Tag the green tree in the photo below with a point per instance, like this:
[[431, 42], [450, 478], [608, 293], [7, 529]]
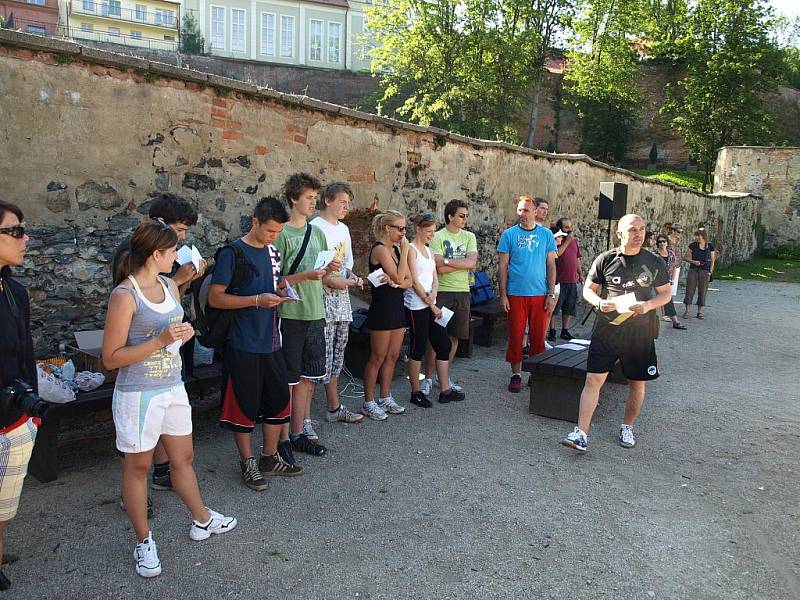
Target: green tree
[[603, 73], [731, 63], [665, 26], [192, 41]]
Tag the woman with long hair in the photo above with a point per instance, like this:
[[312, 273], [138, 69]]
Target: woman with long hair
[[701, 258], [386, 319], [665, 253], [143, 334], [422, 312]]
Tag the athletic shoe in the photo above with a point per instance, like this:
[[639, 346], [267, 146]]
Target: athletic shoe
[[146, 556], [450, 383], [667, 319], [5, 582], [301, 443], [626, 439], [391, 407], [273, 464], [425, 386], [251, 476], [150, 510], [164, 483], [286, 452], [576, 440], [515, 385], [551, 335], [373, 411], [451, 395], [566, 335], [308, 430], [421, 400], [215, 525], [343, 415]]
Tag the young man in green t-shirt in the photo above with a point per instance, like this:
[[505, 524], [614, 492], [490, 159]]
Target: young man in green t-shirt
[[456, 253], [303, 322]]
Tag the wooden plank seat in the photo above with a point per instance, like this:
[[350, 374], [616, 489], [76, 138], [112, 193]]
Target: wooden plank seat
[[557, 378], [490, 312], [44, 460]]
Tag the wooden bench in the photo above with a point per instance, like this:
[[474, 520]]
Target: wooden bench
[[44, 460], [490, 313], [465, 346], [557, 378]]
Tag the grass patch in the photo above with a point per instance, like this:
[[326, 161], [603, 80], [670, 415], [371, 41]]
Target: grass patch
[[762, 268], [690, 179]]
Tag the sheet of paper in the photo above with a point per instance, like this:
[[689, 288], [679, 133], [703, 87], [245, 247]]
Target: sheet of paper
[[174, 347], [324, 258], [580, 341], [571, 346], [184, 255], [375, 277], [196, 258], [675, 281], [447, 314], [291, 293], [560, 234], [623, 303]]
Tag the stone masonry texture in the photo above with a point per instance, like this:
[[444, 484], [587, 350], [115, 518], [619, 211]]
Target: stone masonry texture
[[86, 137]]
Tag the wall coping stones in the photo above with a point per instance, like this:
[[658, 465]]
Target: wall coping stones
[[761, 147], [92, 55]]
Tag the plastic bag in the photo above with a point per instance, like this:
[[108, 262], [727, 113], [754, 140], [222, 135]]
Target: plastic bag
[[88, 381], [68, 371], [52, 389]]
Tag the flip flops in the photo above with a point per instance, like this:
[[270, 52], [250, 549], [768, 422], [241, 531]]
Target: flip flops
[[678, 326]]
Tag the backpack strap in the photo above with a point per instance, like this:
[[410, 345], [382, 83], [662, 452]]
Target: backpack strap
[[301, 253]]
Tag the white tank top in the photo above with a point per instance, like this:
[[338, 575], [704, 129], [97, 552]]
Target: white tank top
[[426, 265]]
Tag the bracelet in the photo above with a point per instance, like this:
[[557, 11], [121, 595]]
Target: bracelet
[[256, 301]]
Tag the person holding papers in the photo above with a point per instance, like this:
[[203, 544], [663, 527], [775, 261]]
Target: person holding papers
[[424, 316], [386, 319], [626, 284]]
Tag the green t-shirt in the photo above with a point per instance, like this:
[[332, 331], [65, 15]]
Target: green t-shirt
[[454, 246], [310, 307]]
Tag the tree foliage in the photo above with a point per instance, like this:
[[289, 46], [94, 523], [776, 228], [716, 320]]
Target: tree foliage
[[192, 41], [731, 63]]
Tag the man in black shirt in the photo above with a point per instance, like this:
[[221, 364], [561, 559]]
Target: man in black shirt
[[626, 284]]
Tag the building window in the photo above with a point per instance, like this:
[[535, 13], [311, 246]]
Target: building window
[[267, 34], [113, 31], [237, 30], [88, 27], [287, 36], [38, 2], [334, 42], [88, 5], [112, 9], [165, 17], [141, 12], [136, 35], [217, 28], [169, 38], [37, 29], [315, 40]]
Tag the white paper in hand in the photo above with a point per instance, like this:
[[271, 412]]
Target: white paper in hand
[[675, 279], [196, 258], [375, 277], [623, 303], [291, 293], [324, 258], [184, 255], [447, 314], [174, 347]]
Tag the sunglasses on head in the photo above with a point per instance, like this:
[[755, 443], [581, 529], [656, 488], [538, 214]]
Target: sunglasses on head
[[15, 231], [161, 222]]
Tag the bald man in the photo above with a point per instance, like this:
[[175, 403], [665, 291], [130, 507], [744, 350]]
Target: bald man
[[627, 334]]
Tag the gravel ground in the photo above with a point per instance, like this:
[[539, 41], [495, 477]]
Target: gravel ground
[[479, 500]]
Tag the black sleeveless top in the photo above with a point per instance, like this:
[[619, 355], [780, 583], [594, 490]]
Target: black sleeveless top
[[386, 310]]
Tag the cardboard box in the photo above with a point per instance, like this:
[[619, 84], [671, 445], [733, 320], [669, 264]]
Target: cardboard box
[[87, 353]]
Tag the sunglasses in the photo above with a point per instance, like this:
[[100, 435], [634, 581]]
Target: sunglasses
[[161, 222], [398, 227], [662, 241], [15, 231]]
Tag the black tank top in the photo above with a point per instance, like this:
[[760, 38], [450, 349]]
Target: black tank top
[[386, 310]]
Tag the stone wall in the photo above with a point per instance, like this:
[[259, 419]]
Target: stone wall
[[87, 136], [773, 174]]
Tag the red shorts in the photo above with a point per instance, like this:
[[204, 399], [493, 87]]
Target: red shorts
[[526, 310]]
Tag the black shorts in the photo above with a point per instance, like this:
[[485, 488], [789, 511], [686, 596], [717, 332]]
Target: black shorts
[[303, 349], [567, 299], [633, 346], [255, 389]]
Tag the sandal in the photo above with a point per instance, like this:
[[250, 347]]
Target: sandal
[[699, 316], [678, 326], [686, 316]]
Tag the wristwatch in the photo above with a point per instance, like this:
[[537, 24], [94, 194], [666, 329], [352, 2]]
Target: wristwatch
[[446, 261], [551, 295]]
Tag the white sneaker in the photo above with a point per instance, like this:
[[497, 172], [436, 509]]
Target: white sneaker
[[308, 430], [216, 524], [426, 386], [452, 385], [667, 319], [373, 411], [389, 405], [146, 556], [626, 439], [343, 415]]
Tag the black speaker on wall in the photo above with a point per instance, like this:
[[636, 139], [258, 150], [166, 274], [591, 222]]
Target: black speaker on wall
[[613, 201]]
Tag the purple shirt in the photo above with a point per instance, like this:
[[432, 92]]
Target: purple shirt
[[567, 264]]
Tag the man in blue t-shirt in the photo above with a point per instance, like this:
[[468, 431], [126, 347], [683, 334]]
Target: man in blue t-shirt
[[255, 387], [526, 274]]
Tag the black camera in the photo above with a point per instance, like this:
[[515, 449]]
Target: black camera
[[21, 396]]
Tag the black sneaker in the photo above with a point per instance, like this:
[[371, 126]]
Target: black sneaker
[[551, 335], [286, 452], [252, 476], [451, 396], [273, 464], [4, 582], [420, 400], [163, 483], [566, 335], [301, 443]]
